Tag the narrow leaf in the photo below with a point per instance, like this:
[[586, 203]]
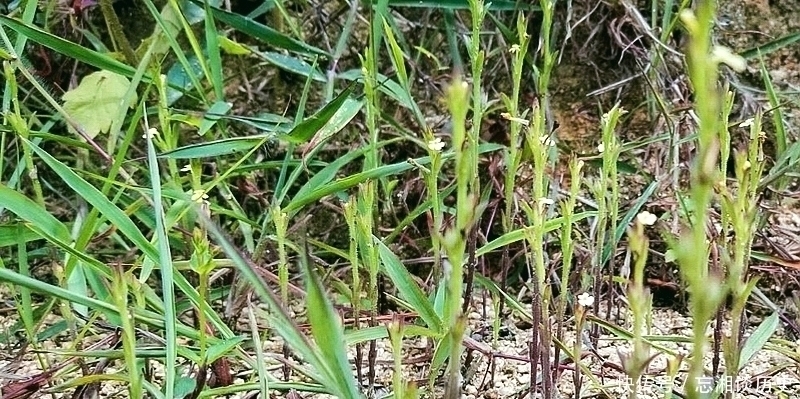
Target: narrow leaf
[[93, 196], [32, 213], [262, 32], [293, 65], [217, 147], [68, 48], [328, 332], [408, 287], [463, 5], [311, 125], [756, 341]]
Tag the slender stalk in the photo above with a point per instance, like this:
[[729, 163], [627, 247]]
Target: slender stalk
[[706, 289]]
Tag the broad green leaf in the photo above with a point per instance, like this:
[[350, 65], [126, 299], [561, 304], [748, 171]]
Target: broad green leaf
[[180, 80], [339, 120], [184, 386], [96, 100]]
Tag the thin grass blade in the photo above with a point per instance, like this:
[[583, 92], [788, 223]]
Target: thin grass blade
[[262, 32], [408, 287], [328, 332]]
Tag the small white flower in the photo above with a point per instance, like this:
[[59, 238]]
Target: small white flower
[[546, 140], [508, 117], [601, 148], [150, 134], [199, 196], [514, 49], [586, 300], [747, 123], [724, 55], [546, 201], [186, 168], [646, 218], [436, 145]]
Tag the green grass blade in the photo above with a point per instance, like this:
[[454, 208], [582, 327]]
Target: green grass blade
[[169, 28], [126, 226], [214, 56], [15, 278], [298, 202], [328, 332], [262, 32], [311, 125], [781, 139], [217, 147], [277, 318], [626, 220], [519, 234], [756, 341], [12, 234], [408, 287], [32, 213], [771, 46], [92, 195], [216, 112], [462, 5], [68, 48], [293, 65], [328, 173], [167, 276]]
